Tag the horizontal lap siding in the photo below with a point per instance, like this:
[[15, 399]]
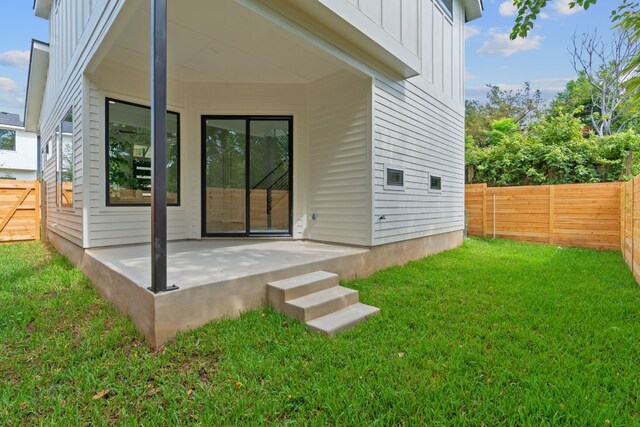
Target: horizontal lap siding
[[113, 225], [76, 26], [419, 126], [340, 159], [65, 221], [422, 135]]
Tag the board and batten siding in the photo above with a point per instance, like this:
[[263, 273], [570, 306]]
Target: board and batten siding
[[398, 18], [340, 159], [419, 126]]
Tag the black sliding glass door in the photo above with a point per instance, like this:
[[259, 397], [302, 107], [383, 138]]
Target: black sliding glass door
[[246, 175]]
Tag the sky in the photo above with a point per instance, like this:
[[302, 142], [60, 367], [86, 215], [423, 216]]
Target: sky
[[19, 26], [542, 58]]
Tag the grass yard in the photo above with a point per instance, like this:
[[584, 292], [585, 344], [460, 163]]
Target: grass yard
[[495, 332]]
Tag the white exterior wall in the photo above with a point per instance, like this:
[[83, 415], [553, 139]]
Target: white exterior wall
[[21, 163], [399, 19], [419, 125], [340, 159], [416, 122], [112, 225], [76, 28]]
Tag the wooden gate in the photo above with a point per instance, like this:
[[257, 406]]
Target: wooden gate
[[19, 210]]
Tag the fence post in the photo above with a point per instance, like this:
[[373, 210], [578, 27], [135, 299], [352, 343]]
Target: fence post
[[633, 223], [552, 196], [484, 211], [36, 187], [623, 205], [494, 214]]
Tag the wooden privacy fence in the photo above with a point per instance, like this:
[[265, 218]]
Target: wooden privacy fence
[[19, 210], [630, 225], [585, 215]]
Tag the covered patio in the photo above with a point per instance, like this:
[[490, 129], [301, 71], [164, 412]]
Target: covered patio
[[267, 139], [216, 278]]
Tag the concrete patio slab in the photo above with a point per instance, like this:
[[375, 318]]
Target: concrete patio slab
[[206, 262]]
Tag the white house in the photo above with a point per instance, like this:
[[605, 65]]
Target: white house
[[301, 134], [18, 149]]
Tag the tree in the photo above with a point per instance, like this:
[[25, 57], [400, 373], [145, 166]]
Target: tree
[[528, 11], [602, 65], [575, 98], [522, 106], [551, 151], [626, 17]]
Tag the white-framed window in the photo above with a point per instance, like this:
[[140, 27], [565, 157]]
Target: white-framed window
[[65, 154], [435, 183], [393, 177], [7, 140], [447, 7], [48, 150]]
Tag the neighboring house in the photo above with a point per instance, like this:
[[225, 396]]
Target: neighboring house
[[18, 149], [311, 120]]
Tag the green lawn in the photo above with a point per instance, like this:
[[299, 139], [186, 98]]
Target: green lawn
[[495, 332]]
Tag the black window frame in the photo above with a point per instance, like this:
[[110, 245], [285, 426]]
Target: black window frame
[[390, 170], [431, 186], [15, 140], [203, 179], [107, 100]]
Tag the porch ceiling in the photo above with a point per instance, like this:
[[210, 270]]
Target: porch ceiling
[[222, 41]]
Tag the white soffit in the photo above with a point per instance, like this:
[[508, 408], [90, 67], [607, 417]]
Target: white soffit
[[215, 45], [38, 67], [42, 8], [473, 9]]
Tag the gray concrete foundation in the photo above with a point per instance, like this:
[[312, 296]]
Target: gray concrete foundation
[[222, 278]]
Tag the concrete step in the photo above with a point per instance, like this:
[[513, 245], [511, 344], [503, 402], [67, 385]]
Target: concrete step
[[320, 303], [342, 319], [280, 291]]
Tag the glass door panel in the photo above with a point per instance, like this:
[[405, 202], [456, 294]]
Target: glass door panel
[[224, 179], [269, 175]]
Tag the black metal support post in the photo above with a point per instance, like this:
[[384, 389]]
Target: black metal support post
[[159, 147]]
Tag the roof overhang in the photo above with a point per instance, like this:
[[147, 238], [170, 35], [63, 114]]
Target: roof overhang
[[339, 17], [38, 68], [42, 8], [473, 9]]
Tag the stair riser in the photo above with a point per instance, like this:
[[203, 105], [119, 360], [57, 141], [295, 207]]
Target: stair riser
[[309, 288], [310, 313], [277, 297]]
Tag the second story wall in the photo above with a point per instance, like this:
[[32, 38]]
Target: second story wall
[[400, 19], [68, 20]]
